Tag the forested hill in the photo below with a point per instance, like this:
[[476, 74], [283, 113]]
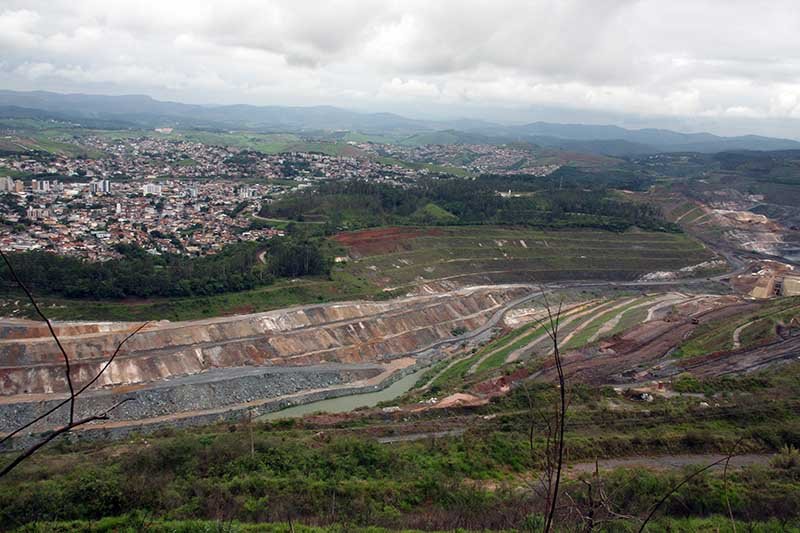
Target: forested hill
[[140, 274], [531, 202]]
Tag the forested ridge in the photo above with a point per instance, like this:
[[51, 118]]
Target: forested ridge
[[569, 200], [140, 274]]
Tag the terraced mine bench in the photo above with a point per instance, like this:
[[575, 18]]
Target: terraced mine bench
[[205, 370]]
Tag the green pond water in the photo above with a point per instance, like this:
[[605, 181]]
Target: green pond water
[[344, 404]]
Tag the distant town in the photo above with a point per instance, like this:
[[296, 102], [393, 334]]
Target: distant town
[[474, 158], [171, 195], [165, 195]]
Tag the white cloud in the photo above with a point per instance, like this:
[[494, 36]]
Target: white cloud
[[653, 58], [414, 89]]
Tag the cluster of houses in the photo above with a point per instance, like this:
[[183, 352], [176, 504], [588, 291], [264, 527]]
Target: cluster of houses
[[473, 158], [165, 194], [88, 219]]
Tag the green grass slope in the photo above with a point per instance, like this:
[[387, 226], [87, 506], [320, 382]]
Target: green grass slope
[[505, 254]]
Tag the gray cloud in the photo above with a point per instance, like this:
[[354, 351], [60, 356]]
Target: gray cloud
[[727, 62]]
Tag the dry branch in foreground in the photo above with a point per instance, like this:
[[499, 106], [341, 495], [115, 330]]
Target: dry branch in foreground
[[73, 394]]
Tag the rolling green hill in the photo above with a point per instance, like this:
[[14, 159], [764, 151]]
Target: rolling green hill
[[484, 254]]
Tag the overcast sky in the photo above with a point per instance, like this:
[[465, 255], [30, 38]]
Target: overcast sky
[[728, 66]]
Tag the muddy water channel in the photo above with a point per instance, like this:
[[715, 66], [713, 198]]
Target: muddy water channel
[[345, 404]]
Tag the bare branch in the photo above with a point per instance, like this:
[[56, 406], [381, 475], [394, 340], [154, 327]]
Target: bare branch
[[561, 416], [60, 431], [554, 444], [81, 390], [73, 395], [682, 483], [67, 369], [725, 481]]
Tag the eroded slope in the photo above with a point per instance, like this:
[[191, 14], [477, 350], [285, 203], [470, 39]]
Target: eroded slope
[[352, 332]]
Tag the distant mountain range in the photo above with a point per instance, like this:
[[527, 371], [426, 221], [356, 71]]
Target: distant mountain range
[[139, 111]]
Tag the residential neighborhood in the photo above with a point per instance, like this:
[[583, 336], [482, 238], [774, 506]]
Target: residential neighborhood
[[163, 194]]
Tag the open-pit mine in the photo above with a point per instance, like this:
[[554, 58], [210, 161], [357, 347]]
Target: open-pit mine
[[208, 370]]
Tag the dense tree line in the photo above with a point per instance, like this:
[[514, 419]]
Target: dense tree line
[[568, 177], [780, 166], [140, 274], [371, 202], [567, 201], [294, 257], [614, 211]]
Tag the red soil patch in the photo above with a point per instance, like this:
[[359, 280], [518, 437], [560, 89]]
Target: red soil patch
[[460, 399], [500, 386], [328, 419], [381, 240], [638, 349]]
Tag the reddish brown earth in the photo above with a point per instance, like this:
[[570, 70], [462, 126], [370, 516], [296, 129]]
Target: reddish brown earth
[[742, 360], [500, 386], [22, 329], [346, 332], [243, 310], [629, 357], [381, 240]]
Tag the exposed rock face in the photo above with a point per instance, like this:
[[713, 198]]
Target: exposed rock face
[[24, 329], [352, 332], [215, 389]]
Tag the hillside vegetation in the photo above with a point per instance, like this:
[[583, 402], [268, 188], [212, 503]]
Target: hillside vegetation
[[321, 473], [538, 202], [394, 257], [140, 274]]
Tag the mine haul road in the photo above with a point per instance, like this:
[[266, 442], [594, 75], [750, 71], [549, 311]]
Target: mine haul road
[[535, 291]]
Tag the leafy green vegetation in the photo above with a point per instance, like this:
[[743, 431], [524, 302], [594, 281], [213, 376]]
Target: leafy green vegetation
[[185, 480], [132, 523], [717, 385], [359, 204], [282, 293], [144, 275], [432, 214]]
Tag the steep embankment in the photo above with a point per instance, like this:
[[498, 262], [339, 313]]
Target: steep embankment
[[353, 332]]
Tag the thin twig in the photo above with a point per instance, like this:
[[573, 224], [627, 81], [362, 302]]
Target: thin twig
[[81, 390], [725, 481], [73, 395], [561, 416], [679, 485], [554, 458], [60, 431], [67, 369]]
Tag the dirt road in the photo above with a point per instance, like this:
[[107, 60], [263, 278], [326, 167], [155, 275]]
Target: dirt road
[[671, 462]]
